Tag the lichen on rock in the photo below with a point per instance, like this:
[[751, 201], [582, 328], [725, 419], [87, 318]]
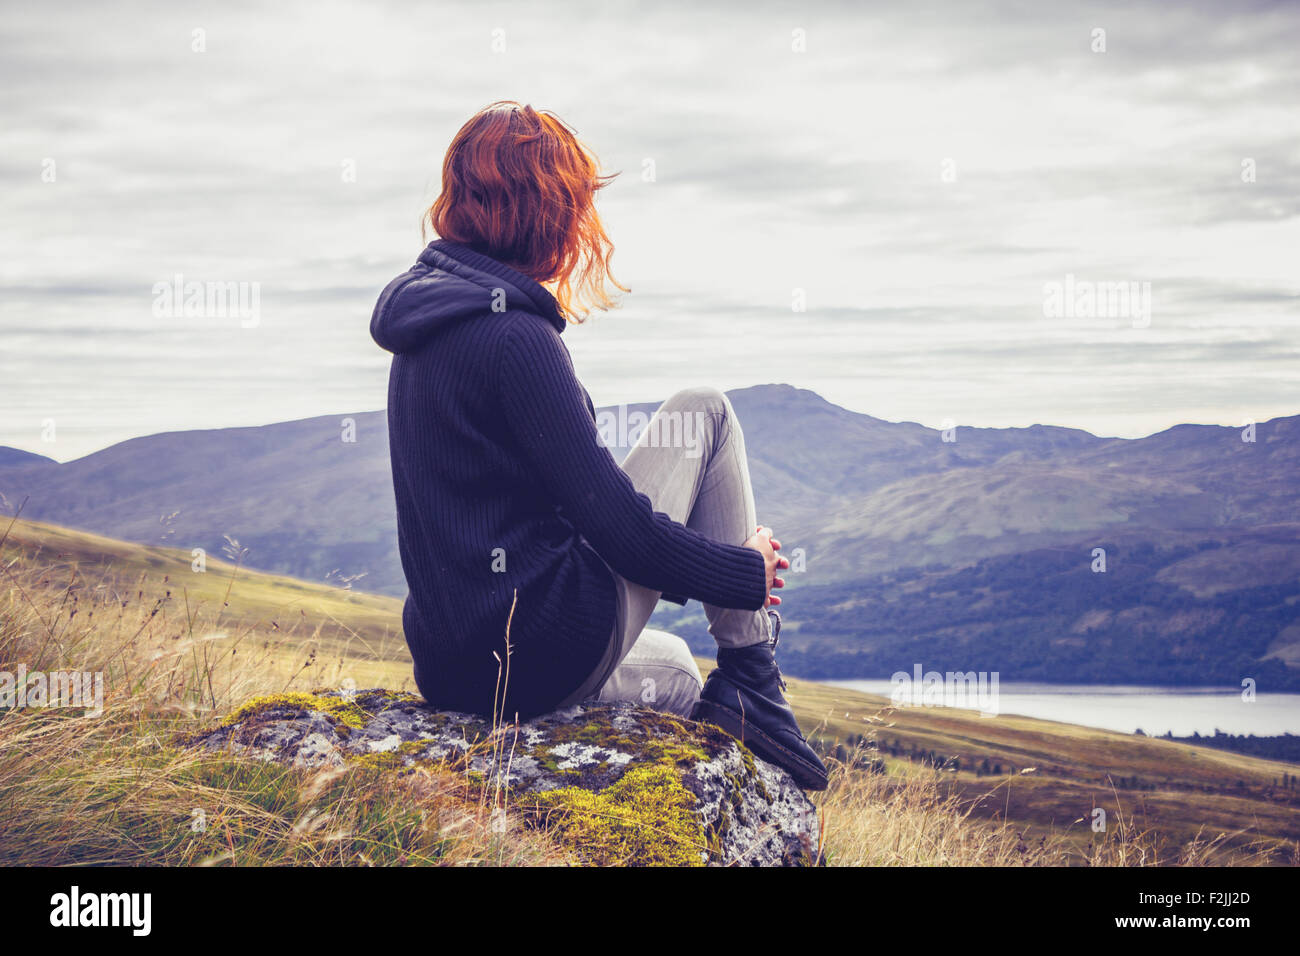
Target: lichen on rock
[[618, 784]]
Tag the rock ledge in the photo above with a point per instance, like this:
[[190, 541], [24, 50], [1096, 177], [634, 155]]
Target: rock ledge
[[619, 782]]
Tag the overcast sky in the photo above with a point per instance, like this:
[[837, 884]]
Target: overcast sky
[[922, 176]]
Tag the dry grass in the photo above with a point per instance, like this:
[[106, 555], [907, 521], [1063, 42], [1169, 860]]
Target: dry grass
[[908, 816], [117, 788], [179, 650]]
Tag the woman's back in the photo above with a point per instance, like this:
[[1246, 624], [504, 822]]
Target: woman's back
[[475, 523]]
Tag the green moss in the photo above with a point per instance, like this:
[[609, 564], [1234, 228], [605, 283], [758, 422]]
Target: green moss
[[413, 748], [596, 732], [548, 760], [751, 771], [387, 760], [644, 818], [734, 788], [388, 698], [716, 833], [346, 712], [401, 757], [662, 741]]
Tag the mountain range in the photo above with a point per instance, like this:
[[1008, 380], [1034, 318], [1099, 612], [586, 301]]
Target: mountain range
[[1043, 552]]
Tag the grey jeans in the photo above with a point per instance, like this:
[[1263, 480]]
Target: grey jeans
[[690, 462]]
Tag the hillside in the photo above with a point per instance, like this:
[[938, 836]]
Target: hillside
[[299, 619], [15, 457], [254, 631], [978, 547], [1190, 611]]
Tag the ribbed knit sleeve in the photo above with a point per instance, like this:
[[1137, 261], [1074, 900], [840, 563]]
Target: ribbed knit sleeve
[[547, 413]]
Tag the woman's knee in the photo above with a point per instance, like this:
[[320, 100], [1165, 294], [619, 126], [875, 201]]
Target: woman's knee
[[696, 418], [704, 398], [659, 672], [677, 678], [673, 692]]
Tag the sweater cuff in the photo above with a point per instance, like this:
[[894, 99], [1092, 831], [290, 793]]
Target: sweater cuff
[[752, 585]]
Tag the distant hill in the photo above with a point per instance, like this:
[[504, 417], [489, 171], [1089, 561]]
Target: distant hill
[[1045, 615], [974, 549], [16, 456], [302, 500]]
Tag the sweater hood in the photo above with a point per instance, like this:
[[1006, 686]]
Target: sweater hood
[[449, 283]]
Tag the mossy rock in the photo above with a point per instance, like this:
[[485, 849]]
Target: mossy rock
[[620, 784]]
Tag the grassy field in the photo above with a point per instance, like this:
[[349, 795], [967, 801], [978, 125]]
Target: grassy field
[[1180, 799], [179, 648]]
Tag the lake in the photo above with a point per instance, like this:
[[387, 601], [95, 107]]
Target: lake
[[1156, 710]]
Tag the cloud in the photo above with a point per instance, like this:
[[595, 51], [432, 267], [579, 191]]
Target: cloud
[[774, 171]]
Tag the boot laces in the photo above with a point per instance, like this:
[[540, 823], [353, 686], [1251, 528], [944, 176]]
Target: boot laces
[[776, 642]]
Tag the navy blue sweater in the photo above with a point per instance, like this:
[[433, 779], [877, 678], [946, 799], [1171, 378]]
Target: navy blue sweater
[[503, 485]]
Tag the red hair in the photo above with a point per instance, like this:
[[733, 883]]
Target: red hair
[[519, 186]]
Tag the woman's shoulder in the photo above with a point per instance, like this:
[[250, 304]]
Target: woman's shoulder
[[520, 330]]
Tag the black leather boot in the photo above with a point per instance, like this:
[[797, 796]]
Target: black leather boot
[[743, 697]]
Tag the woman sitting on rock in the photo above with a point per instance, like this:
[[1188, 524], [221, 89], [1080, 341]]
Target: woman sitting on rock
[[516, 526]]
